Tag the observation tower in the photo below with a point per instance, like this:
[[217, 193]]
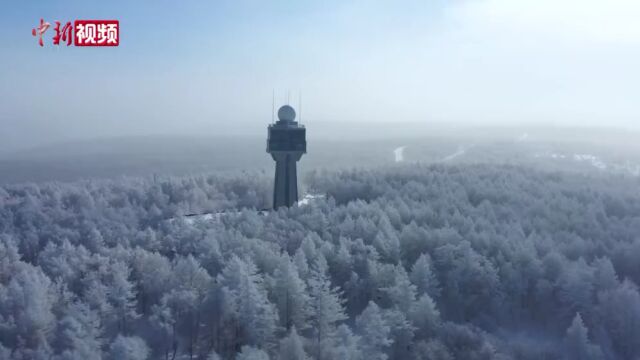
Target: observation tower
[[286, 143]]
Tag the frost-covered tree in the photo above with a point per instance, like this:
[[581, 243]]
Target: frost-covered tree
[[257, 317], [472, 281], [252, 353], [401, 333], [291, 347], [326, 310], [9, 258], [291, 296], [79, 334], [403, 293], [347, 345], [26, 302], [576, 288], [432, 350], [213, 356], [578, 344], [121, 296], [386, 240], [620, 314], [462, 262], [374, 333], [128, 348], [189, 290], [152, 273], [605, 276], [424, 278], [425, 316]]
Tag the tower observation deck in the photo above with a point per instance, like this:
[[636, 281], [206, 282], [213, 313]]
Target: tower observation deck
[[286, 143]]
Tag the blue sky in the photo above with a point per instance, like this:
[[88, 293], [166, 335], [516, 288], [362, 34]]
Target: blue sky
[[194, 67]]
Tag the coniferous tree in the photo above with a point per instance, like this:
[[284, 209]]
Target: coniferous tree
[[252, 353], [374, 333], [403, 292], [291, 347], [122, 297], [128, 348], [425, 316], [347, 345], [257, 317], [424, 278], [577, 342], [401, 333], [620, 315], [292, 298], [326, 310], [79, 333]]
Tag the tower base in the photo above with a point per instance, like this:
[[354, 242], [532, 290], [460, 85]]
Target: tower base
[[285, 187]]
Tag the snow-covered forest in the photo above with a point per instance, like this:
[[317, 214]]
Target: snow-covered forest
[[421, 262]]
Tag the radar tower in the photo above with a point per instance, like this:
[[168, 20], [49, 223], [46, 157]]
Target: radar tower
[[286, 143]]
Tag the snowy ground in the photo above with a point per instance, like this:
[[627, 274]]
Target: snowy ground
[[596, 162], [461, 151], [310, 198], [399, 153], [307, 199]]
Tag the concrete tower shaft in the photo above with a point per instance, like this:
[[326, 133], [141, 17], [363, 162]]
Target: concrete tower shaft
[[286, 143]]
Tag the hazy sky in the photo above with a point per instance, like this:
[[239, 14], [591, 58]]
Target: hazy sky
[[188, 66]]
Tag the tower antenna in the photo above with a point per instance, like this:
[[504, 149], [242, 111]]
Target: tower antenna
[[273, 105], [300, 106]]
